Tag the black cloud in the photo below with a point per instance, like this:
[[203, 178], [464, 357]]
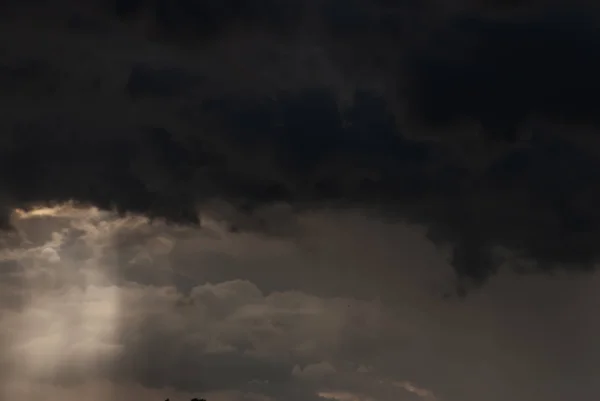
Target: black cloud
[[307, 148], [184, 19], [501, 72], [146, 81]]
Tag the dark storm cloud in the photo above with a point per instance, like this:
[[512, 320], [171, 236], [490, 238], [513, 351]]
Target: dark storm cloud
[[502, 71], [170, 131], [196, 373], [146, 81], [29, 77], [298, 135]]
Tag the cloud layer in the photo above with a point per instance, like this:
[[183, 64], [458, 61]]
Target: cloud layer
[[121, 308], [260, 201], [163, 108]]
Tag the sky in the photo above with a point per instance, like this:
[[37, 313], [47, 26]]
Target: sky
[[304, 201]]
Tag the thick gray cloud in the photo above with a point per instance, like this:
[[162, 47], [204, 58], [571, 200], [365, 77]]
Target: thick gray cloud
[[102, 304], [259, 103], [344, 166]]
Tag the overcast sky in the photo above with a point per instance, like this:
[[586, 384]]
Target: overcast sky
[[307, 200], [353, 309]]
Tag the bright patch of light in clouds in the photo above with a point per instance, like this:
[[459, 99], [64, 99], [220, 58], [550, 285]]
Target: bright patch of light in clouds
[[70, 307], [94, 305]]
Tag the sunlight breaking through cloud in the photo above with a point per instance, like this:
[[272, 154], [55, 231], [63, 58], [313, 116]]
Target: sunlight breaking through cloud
[[101, 304], [71, 304]]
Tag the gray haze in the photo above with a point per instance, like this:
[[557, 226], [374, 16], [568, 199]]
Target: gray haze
[[123, 309]]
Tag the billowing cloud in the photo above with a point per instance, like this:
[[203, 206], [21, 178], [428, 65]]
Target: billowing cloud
[[166, 108], [265, 200], [136, 308], [194, 101]]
